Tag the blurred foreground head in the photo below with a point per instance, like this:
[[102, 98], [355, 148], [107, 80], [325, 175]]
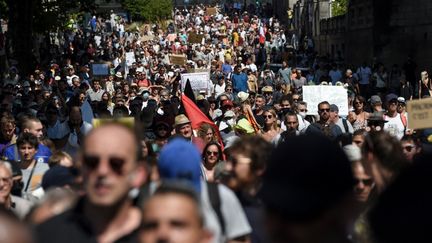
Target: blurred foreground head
[[308, 184]]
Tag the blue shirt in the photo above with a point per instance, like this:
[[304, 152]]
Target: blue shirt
[[43, 153], [239, 82]]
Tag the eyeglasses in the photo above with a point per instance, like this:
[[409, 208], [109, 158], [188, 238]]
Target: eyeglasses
[[324, 110], [401, 104], [215, 153], [366, 182], [268, 116], [228, 89], [92, 162], [303, 110], [409, 147]]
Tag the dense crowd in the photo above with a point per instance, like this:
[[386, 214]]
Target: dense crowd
[[106, 141]]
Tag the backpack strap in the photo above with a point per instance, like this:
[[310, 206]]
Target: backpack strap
[[345, 124], [214, 196]]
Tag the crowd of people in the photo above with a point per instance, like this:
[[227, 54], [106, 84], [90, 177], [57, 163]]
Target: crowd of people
[[139, 155]]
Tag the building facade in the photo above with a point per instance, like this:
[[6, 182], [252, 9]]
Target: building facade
[[385, 31]]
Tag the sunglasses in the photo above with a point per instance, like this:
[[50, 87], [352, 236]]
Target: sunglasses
[[366, 182], [215, 153], [324, 110], [268, 116], [228, 89], [92, 162], [409, 147], [358, 102]]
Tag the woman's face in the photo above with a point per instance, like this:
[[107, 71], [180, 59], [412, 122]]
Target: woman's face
[[144, 149], [269, 118], [209, 135], [358, 105], [105, 97], [212, 154]]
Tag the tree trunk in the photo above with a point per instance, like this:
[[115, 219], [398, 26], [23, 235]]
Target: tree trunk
[[21, 33]]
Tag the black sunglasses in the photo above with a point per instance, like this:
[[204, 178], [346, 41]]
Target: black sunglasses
[[92, 162], [212, 153], [366, 182], [324, 110]]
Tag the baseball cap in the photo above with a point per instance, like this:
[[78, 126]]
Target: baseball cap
[[334, 108], [227, 103], [180, 160], [391, 97], [57, 176], [303, 186], [375, 99]]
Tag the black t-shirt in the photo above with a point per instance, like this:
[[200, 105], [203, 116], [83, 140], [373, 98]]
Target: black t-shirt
[[73, 226]]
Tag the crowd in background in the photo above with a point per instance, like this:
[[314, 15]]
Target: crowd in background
[[89, 157]]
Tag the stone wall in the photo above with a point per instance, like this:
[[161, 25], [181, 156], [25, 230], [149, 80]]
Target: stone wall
[[388, 30]]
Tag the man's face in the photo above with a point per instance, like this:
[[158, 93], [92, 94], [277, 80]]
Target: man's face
[[109, 166], [27, 152], [409, 149], [401, 107], [333, 116], [324, 112], [392, 106], [259, 102], [363, 183], [185, 130], [239, 167], [75, 118], [35, 128], [96, 86], [7, 130], [358, 140], [5, 184], [172, 218], [291, 123]]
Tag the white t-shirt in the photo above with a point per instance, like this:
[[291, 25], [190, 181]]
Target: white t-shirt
[[394, 126]]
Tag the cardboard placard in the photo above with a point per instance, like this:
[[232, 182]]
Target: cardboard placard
[[198, 81], [195, 38], [315, 94], [100, 69], [178, 59], [419, 113], [130, 58], [211, 11]]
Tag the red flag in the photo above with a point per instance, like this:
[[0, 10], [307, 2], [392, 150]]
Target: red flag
[[197, 117]]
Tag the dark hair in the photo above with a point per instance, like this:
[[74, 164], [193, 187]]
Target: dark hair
[[386, 149], [27, 138], [181, 189], [255, 148], [323, 103], [360, 132], [218, 147]]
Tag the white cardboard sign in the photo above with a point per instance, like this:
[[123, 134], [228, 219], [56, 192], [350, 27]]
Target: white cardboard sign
[[314, 94]]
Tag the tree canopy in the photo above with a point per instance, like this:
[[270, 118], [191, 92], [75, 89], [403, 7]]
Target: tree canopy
[[149, 10], [339, 7]]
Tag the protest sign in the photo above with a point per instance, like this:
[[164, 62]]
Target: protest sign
[[314, 94], [195, 38], [130, 58], [100, 69], [419, 113], [211, 11], [178, 59], [198, 81]]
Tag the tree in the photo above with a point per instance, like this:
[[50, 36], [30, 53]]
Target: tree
[[149, 10], [36, 16], [339, 7]]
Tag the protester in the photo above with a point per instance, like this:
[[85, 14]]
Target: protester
[[111, 168]]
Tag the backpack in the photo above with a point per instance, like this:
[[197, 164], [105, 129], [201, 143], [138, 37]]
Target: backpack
[[345, 124], [215, 201]]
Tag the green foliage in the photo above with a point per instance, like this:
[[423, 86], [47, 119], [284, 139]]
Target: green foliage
[[339, 7], [3, 9], [149, 10]]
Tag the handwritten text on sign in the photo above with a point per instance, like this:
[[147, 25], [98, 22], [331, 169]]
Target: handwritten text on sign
[[198, 81], [420, 113]]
